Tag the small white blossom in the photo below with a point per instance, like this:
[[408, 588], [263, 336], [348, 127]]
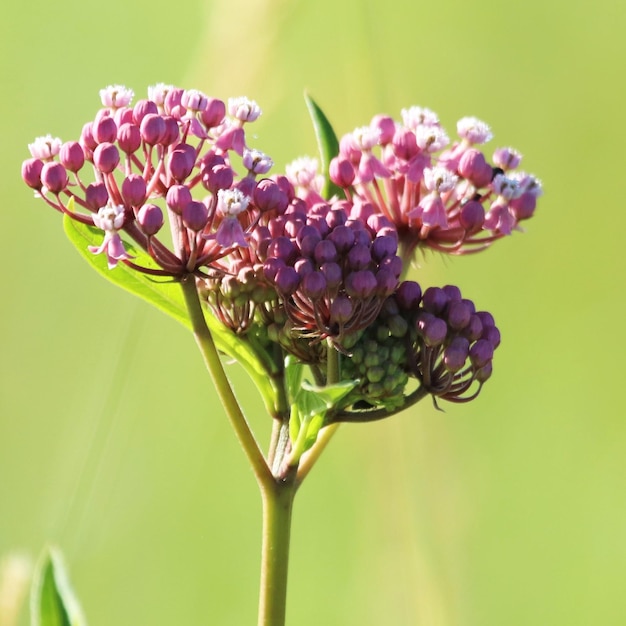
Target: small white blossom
[[157, 93], [109, 218], [474, 130], [45, 147], [116, 96], [431, 138], [366, 137], [439, 179], [419, 116], [243, 109], [231, 202], [256, 161], [302, 172], [507, 187]]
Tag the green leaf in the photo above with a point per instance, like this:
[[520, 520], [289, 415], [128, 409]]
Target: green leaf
[[327, 143], [293, 375], [167, 296], [163, 293], [53, 602]]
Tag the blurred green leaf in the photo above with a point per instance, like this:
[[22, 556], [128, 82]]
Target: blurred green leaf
[[327, 143], [167, 296], [53, 602]]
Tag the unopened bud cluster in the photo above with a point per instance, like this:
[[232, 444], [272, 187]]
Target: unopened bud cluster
[[287, 270]]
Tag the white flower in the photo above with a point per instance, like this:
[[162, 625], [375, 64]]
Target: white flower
[[474, 130], [243, 109], [45, 147], [231, 202], [419, 116], [116, 96], [439, 179]]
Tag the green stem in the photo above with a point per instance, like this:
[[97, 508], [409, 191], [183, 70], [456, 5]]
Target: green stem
[[277, 507], [214, 365]]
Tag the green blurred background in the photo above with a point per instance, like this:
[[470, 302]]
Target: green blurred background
[[509, 510]]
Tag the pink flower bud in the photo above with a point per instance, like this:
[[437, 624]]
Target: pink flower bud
[[31, 173], [54, 177], [72, 156], [150, 219], [106, 157], [134, 190]]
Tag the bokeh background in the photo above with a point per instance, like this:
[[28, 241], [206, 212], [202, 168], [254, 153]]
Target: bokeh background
[[509, 510]]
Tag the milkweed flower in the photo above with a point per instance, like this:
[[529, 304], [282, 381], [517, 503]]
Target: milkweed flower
[[391, 164], [171, 155]]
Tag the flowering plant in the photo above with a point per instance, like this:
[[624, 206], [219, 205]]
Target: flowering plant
[[300, 277]]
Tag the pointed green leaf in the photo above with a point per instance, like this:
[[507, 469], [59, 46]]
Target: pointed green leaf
[[327, 142], [293, 375], [167, 296], [53, 602], [330, 394]]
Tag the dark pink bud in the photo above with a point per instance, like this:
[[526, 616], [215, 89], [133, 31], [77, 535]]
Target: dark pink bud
[[386, 282], [268, 196], [408, 295], [172, 131], [404, 144], [72, 156], [195, 215], [129, 137], [341, 172], [384, 246], [472, 216], [432, 329], [86, 137], [361, 284], [152, 128], [474, 329], [285, 186], [218, 177], [487, 319], [143, 108], [524, 206], [150, 219], [31, 173], [123, 115], [484, 373], [106, 157], [104, 130], [455, 354], [134, 190], [172, 104], [492, 335], [343, 238], [314, 285], [287, 280], [213, 114], [340, 309], [333, 274], [481, 353], [434, 300], [473, 166], [453, 293], [336, 217], [303, 267], [393, 264], [54, 177], [282, 248], [177, 198], [96, 196], [385, 126], [458, 315], [359, 257], [180, 164], [308, 237], [325, 252]]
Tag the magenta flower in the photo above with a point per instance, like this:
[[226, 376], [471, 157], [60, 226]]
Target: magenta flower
[[110, 219]]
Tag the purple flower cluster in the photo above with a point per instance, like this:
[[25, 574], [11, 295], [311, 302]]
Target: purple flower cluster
[[447, 197], [451, 344], [167, 159], [287, 270], [332, 265]]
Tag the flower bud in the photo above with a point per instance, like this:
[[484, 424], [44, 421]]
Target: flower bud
[[54, 177], [150, 219]]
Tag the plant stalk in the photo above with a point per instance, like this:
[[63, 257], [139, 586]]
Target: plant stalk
[[277, 508]]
